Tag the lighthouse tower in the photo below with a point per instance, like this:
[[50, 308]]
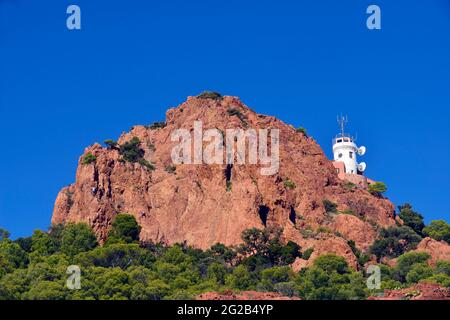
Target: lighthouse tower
[[345, 152]]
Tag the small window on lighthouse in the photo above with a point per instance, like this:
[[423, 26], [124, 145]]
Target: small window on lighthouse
[[351, 155]]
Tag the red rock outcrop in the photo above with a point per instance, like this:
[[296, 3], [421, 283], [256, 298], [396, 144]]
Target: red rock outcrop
[[322, 244], [244, 295], [438, 250], [195, 204], [421, 291]]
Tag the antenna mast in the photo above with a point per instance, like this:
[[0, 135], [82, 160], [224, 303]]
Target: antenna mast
[[342, 121]]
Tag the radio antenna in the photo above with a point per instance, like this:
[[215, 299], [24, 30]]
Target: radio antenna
[[342, 121]]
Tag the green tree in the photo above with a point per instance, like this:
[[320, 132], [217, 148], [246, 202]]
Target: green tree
[[154, 290], [50, 268], [131, 150], [13, 285], [307, 254], [377, 189], [438, 230], [407, 261], [43, 243], [302, 130], [46, 290], [77, 238], [210, 95], [419, 271], [118, 255], [12, 257], [332, 263], [125, 229], [411, 218], [394, 242], [240, 279], [4, 234], [443, 267], [223, 253], [112, 284], [88, 159], [25, 243], [272, 276], [175, 255], [441, 279], [290, 252], [330, 279], [263, 248], [217, 272]]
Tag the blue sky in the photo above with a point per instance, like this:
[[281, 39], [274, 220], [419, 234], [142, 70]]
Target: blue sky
[[302, 61]]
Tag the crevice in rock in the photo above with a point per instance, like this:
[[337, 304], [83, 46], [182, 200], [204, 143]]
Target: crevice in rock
[[227, 173], [293, 215], [263, 213]]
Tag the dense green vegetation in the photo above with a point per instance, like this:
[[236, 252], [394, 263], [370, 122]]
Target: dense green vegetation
[[396, 241], [132, 152], [438, 230], [125, 268], [88, 159], [411, 218], [210, 95]]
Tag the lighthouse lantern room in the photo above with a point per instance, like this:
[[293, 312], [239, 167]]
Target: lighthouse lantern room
[[345, 150]]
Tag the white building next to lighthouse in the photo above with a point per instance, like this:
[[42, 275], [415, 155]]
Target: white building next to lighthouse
[[345, 154]]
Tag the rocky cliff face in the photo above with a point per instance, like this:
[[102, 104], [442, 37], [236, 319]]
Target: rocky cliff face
[[205, 204]]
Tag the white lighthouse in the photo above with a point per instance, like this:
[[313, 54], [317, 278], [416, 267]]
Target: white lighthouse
[[345, 151]]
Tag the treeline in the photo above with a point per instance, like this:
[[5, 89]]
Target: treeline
[[123, 268], [395, 241]]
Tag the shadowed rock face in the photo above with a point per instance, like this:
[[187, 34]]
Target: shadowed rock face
[[195, 204]]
